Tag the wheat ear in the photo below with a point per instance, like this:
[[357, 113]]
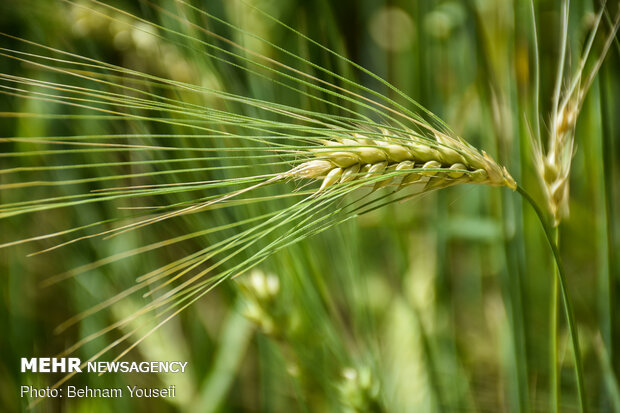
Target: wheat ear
[[553, 163], [404, 159]]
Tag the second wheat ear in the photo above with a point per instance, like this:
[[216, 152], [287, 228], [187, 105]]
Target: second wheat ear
[[553, 161]]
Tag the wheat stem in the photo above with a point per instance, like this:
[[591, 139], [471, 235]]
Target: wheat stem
[[568, 307], [555, 369]]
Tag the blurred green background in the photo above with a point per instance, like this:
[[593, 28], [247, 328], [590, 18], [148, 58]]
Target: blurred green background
[[438, 304]]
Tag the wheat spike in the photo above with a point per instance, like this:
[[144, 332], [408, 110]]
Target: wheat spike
[[404, 159], [553, 163]]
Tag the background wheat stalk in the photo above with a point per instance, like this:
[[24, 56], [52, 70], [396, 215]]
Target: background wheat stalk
[[553, 164]]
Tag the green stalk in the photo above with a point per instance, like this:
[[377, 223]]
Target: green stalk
[[568, 307], [555, 369], [607, 299]]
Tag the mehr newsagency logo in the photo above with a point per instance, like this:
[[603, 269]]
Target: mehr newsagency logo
[[73, 365]]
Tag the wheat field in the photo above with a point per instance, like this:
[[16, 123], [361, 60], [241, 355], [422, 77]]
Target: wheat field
[[317, 206]]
